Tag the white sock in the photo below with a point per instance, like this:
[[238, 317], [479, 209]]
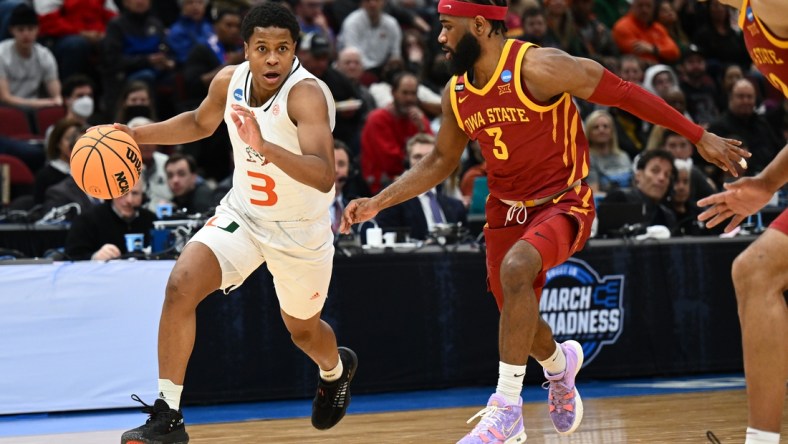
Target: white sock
[[556, 363], [333, 374], [171, 393], [755, 436], [510, 382]]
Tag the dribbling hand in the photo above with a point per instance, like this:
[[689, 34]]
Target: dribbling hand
[[247, 126], [723, 152], [357, 211]]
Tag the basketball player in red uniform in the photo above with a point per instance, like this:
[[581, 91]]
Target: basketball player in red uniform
[[760, 273], [515, 99]]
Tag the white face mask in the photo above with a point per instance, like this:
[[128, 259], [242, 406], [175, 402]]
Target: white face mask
[[83, 106]]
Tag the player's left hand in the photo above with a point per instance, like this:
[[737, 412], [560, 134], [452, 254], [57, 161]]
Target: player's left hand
[[724, 153], [247, 126]]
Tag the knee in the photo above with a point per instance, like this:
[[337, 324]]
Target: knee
[[750, 269], [300, 332], [518, 271], [178, 293]]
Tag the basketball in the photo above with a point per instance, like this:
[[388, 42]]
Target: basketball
[[106, 162]]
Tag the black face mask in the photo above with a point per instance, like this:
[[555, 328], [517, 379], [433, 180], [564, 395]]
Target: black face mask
[[136, 111], [464, 55]]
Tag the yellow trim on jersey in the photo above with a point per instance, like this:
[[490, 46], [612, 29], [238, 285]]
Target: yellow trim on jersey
[[518, 84], [498, 69], [453, 100], [774, 40]]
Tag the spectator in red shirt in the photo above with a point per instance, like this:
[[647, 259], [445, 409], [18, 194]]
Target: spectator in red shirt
[[386, 131], [637, 33], [75, 28]]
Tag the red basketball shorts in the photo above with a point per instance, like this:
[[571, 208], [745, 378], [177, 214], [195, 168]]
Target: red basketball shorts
[[781, 223], [556, 230]]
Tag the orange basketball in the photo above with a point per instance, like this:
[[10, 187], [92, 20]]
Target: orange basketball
[[106, 162]]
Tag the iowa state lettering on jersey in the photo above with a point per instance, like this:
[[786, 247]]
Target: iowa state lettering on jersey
[[495, 115], [765, 56]]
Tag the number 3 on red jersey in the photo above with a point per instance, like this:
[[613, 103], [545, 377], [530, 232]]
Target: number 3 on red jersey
[[267, 188]]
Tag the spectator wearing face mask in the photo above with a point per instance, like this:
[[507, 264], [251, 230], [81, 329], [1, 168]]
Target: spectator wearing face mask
[[78, 100]]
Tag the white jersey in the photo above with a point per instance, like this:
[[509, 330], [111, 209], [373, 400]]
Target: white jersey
[[261, 191]]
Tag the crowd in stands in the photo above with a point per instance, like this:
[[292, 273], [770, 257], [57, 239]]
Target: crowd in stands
[[88, 62]]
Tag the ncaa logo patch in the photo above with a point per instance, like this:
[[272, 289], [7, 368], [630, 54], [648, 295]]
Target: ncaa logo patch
[[238, 94], [506, 76], [749, 15], [580, 305]]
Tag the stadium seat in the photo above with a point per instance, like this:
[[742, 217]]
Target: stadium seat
[[14, 123], [22, 178], [46, 117]]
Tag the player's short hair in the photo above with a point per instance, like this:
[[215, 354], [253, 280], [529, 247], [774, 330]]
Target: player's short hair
[[270, 14]]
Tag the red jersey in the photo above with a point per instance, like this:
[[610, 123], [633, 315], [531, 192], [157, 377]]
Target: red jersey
[[532, 150], [767, 51]]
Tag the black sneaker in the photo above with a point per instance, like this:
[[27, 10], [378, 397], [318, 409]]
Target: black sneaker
[[332, 398], [164, 426]]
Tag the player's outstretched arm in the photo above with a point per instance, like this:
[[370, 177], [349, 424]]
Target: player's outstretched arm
[[306, 106], [190, 125], [746, 196], [430, 171], [549, 72]]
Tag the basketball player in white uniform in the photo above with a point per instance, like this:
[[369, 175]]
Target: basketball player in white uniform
[[280, 119]]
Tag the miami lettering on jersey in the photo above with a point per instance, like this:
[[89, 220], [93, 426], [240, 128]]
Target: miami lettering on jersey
[[768, 52]]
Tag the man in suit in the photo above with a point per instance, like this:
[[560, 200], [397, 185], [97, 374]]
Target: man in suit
[[424, 212]]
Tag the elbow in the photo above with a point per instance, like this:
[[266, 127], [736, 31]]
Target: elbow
[[326, 183]]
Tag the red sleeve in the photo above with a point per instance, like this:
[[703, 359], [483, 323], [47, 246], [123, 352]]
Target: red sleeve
[[53, 24], [613, 91]]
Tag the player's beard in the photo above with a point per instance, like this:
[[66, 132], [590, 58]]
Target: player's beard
[[464, 55]]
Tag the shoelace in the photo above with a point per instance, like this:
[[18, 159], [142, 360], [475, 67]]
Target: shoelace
[[560, 390], [147, 408], [515, 211], [492, 417]]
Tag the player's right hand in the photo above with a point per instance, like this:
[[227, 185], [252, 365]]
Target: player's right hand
[[358, 210]]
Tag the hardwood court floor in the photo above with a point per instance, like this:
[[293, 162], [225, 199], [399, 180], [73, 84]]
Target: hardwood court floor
[[675, 418]]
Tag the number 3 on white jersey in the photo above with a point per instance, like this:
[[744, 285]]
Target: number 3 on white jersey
[[267, 188]]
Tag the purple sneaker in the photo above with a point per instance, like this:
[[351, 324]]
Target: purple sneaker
[[566, 407], [501, 423]]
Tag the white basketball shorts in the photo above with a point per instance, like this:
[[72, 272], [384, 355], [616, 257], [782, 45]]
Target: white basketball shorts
[[300, 256]]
